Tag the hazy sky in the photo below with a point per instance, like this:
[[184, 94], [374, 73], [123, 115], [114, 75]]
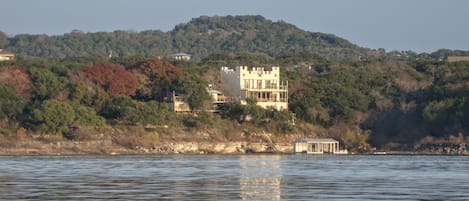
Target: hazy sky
[[417, 25]]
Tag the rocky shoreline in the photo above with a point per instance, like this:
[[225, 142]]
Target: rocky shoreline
[[107, 148], [217, 148], [443, 149]]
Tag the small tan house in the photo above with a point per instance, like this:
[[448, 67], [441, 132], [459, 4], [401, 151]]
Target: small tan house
[[458, 58], [317, 146], [6, 56], [178, 105]]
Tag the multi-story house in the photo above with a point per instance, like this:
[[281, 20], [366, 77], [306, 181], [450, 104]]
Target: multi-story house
[[257, 83]]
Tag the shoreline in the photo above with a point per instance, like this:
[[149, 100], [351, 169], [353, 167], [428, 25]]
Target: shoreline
[[108, 146], [168, 148], [130, 152], [221, 154]]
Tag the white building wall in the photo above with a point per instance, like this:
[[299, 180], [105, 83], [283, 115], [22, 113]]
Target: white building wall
[[231, 81], [263, 85]]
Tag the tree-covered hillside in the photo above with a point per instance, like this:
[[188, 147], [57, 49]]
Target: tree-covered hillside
[[201, 37], [361, 97], [386, 104]]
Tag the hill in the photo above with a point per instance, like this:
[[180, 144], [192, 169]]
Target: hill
[[394, 101], [201, 37]]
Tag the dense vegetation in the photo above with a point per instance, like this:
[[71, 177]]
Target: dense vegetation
[[382, 103], [200, 37], [206, 36], [390, 100]]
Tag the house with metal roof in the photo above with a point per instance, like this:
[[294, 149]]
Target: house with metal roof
[[181, 57]]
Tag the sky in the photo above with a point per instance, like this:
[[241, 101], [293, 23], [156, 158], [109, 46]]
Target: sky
[[416, 25]]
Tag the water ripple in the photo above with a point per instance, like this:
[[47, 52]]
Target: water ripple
[[243, 177]]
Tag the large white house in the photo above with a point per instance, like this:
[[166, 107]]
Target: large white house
[[257, 83]]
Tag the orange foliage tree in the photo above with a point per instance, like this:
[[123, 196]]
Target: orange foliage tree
[[18, 79], [113, 78], [156, 78]]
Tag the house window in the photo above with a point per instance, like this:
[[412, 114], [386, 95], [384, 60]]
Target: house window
[[268, 85]]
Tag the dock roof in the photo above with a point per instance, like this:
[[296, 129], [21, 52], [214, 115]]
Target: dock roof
[[181, 54], [317, 140]]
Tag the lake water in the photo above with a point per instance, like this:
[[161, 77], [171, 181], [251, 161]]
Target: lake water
[[234, 177]]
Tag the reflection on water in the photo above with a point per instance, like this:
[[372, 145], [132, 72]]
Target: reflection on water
[[244, 177], [260, 177]]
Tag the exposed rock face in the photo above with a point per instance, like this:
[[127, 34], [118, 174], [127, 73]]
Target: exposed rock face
[[218, 148], [107, 147], [448, 148], [136, 140]]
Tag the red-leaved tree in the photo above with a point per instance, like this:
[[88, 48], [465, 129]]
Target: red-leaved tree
[[18, 79], [113, 78], [156, 78]]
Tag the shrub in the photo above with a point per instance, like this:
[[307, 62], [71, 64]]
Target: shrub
[[53, 117]]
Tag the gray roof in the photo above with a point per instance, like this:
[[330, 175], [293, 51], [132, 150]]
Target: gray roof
[[317, 140], [181, 54]]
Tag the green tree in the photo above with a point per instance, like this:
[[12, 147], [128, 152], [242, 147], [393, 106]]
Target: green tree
[[47, 85], [245, 113], [120, 108], [11, 105], [78, 93], [56, 117], [53, 117], [155, 113], [194, 90], [126, 110], [85, 116], [233, 111]]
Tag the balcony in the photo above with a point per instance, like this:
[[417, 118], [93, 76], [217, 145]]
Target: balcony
[[271, 100], [281, 88]]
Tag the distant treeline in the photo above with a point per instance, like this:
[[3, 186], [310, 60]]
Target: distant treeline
[[200, 37], [204, 36]]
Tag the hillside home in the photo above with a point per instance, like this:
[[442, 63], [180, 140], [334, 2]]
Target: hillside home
[[257, 83], [458, 58], [6, 56], [178, 104], [181, 57]]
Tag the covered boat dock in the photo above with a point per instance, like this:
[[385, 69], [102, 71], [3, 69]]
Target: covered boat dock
[[317, 146]]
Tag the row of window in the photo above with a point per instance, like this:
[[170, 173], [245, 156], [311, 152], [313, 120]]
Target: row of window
[[260, 84], [267, 96]]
